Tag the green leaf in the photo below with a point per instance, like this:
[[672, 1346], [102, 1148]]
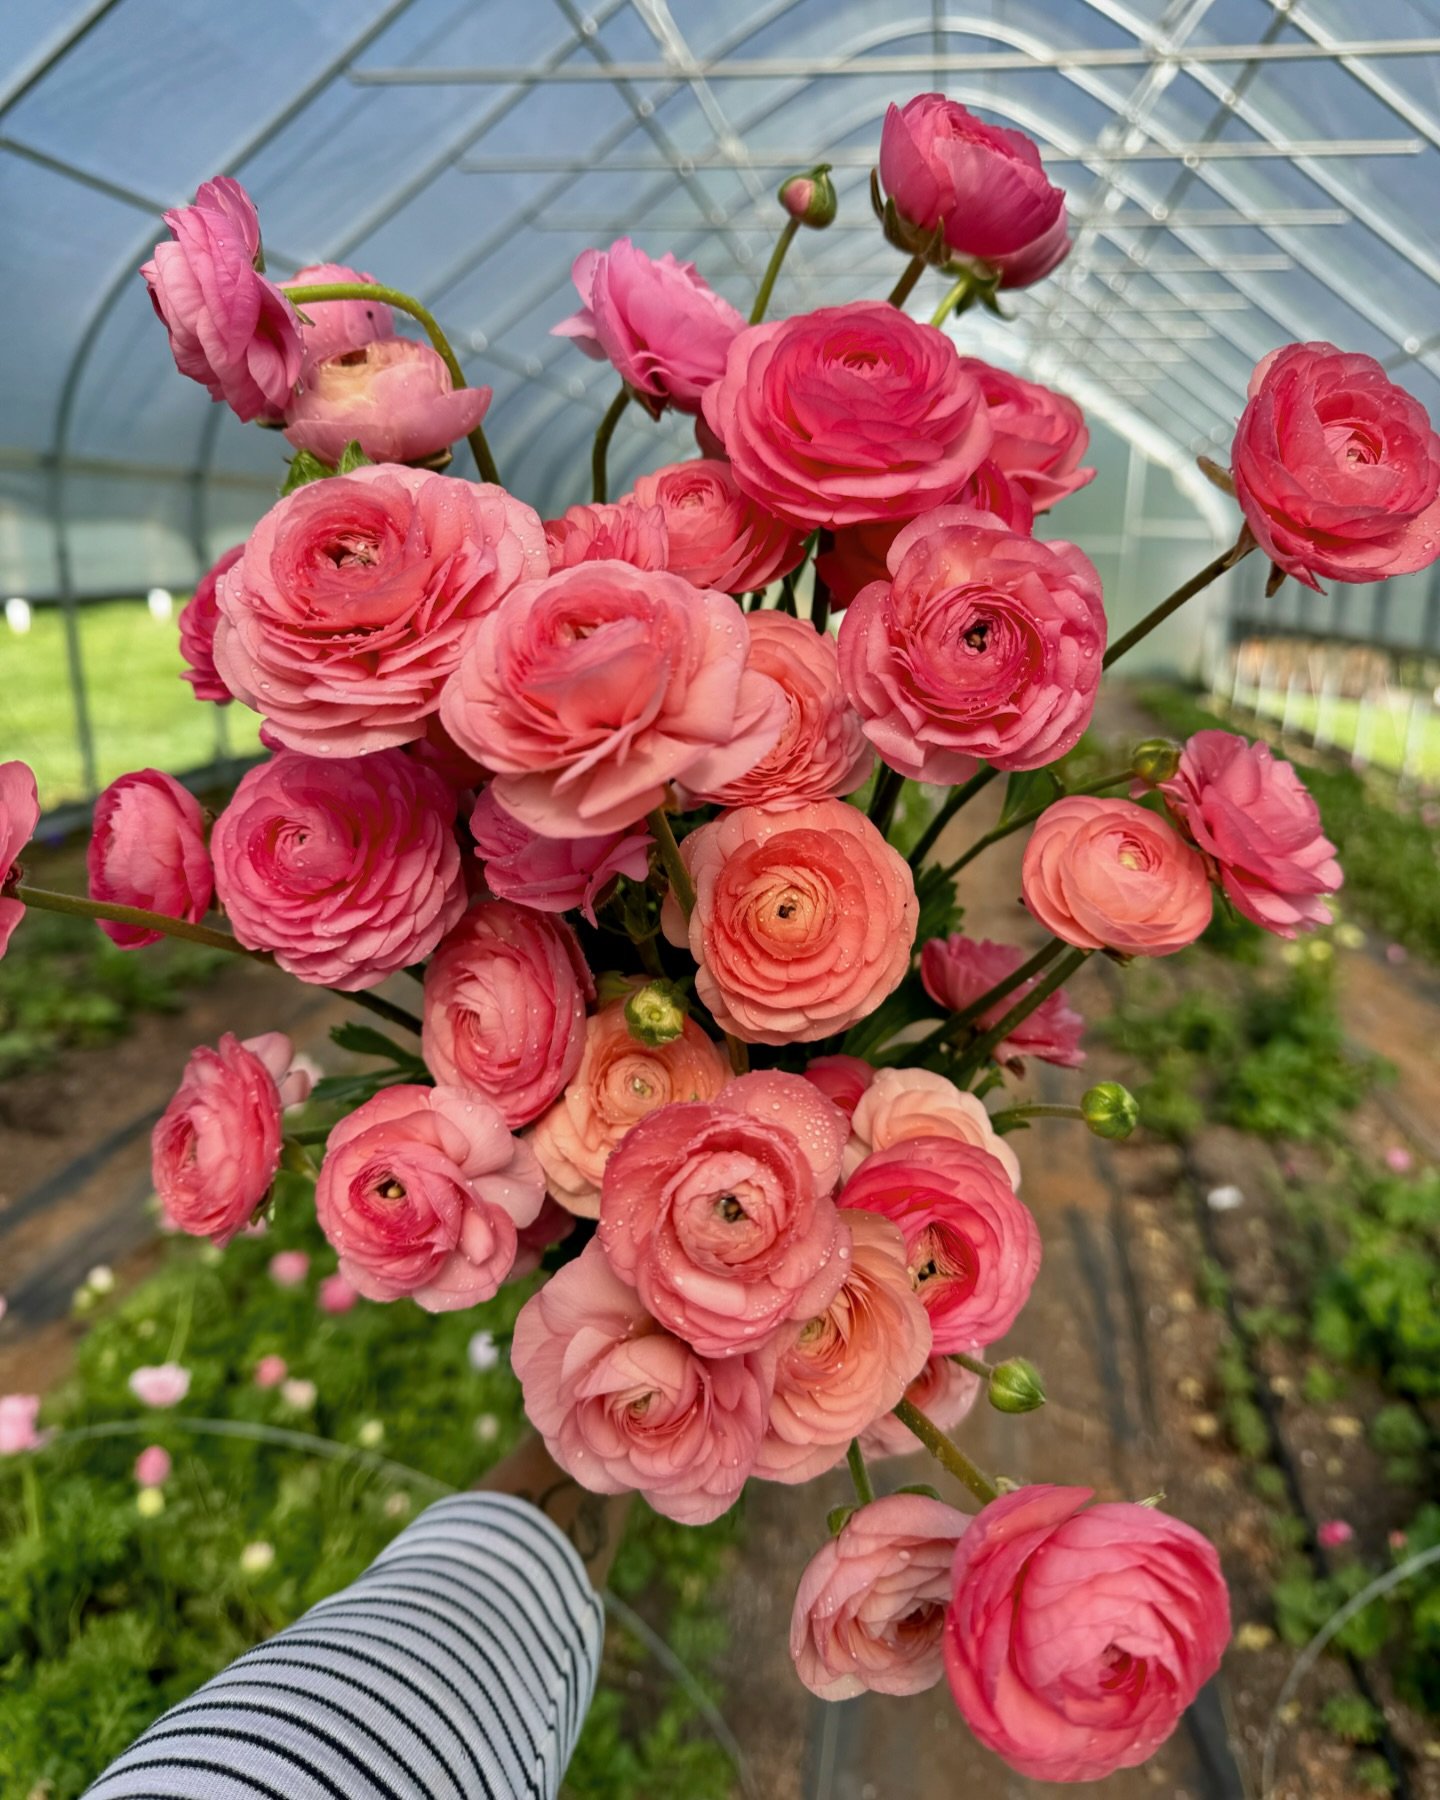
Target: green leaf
[[352, 457], [940, 914], [304, 468], [1027, 791], [365, 1040]]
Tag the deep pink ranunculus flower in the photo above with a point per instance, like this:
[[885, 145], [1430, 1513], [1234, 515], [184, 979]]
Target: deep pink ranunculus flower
[[1109, 875], [147, 849], [230, 329], [331, 327], [589, 692], [421, 1192], [356, 597], [848, 414], [718, 536], [622, 1405], [344, 868], [505, 1008], [552, 874], [615, 531], [1255, 819], [1337, 469], [215, 1149], [840, 1078], [972, 1246], [393, 397], [198, 618], [1077, 1635], [654, 320], [19, 815], [1040, 436], [958, 970], [985, 644]]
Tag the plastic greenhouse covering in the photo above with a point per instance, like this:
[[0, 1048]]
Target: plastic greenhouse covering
[[1240, 173]]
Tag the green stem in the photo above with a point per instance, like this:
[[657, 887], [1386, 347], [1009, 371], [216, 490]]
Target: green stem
[[184, 1313], [955, 1026], [887, 792], [31, 1489], [859, 1474], [973, 1363], [1186, 591], [777, 256], [955, 301], [1121, 779], [959, 797], [819, 592], [1013, 1115], [948, 1454], [905, 286], [681, 885], [1041, 992], [599, 478], [320, 1135]]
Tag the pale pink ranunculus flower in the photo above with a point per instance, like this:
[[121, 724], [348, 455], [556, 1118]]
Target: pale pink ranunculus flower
[[147, 849], [19, 1414], [331, 327], [654, 320], [152, 1466], [504, 1012], [1254, 818], [421, 1192], [847, 414], [588, 693], [803, 919], [198, 618], [870, 1609], [270, 1371], [552, 874], [19, 815], [720, 1214], [1109, 875], [356, 597], [345, 869], [160, 1384], [289, 1268], [839, 1371], [615, 531], [944, 1391], [393, 397], [216, 1147], [336, 1295], [1040, 436], [959, 970], [622, 1405], [910, 1103], [230, 329], [984, 645], [1077, 1635], [822, 752], [971, 1244], [840, 1078], [718, 537], [618, 1081]]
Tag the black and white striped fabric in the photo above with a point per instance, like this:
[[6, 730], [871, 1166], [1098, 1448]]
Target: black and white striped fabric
[[459, 1665]]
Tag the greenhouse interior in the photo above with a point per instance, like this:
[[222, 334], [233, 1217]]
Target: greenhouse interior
[[627, 756]]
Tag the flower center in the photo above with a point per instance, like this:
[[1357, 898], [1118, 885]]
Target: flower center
[[977, 638], [388, 1188], [1124, 1673], [642, 1088], [729, 1209], [351, 553]]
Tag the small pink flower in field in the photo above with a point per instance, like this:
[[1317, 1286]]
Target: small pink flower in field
[[147, 849], [160, 1384], [718, 536], [336, 1295], [4, 1307], [957, 970], [18, 1416], [1330, 1534], [552, 874], [1398, 1541], [1395, 954], [289, 1268], [19, 815], [1398, 1160], [152, 1466], [331, 327], [622, 531], [299, 1395], [270, 1371], [198, 619], [393, 397]]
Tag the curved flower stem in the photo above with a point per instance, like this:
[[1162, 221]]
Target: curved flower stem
[[948, 1454], [882, 803], [905, 286], [683, 889], [967, 791], [1015, 1115], [859, 1474], [975, 1364], [1120, 779], [599, 478], [956, 1025], [777, 256], [1186, 591], [406, 303], [956, 300], [997, 1034]]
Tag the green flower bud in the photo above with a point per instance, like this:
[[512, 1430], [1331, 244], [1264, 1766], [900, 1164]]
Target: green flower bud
[[1155, 760], [811, 198], [656, 1013], [1016, 1387], [1110, 1110]]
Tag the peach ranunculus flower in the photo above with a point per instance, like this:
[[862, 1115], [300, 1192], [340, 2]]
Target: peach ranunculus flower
[[718, 536], [1110, 875], [614, 531], [803, 920], [147, 849], [619, 1081], [870, 1609], [622, 1405], [392, 396], [911, 1103], [846, 1367], [944, 1391]]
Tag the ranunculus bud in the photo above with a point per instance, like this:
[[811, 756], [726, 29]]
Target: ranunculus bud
[[811, 198], [1110, 1110], [1016, 1387], [656, 1013], [1155, 760]]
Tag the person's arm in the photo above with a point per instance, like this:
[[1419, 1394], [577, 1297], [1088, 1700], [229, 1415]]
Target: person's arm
[[594, 1523]]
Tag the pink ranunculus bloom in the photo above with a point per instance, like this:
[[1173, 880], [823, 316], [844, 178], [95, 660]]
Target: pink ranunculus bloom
[[983, 184], [270, 1371], [870, 1609], [957, 970], [1040, 436], [1337, 469], [393, 397], [439, 751], [19, 815], [1108, 874], [552, 874], [147, 849], [1077, 1636], [848, 414], [803, 920], [1255, 819], [972, 1247], [716, 1215], [840, 1078], [590, 692], [215, 1149], [152, 1466], [618, 1082], [346, 869], [336, 1295], [289, 1268], [718, 536], [1334, 1534], [551, 1225], [839, 1371], [822, 752], [1039, 258], [421, 1192], [504, 1009], [160, 1384], [230, 329], [622, 1405], [331, 327], [943, 1391], [617, 531], [655, 321], [984, 644], [908, 1103], [198, 618], [19, 1415], [356, 597]]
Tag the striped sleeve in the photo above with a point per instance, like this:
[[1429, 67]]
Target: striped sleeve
[[458, 1667]]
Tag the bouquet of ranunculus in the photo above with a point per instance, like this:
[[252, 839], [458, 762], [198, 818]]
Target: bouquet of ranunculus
[[698, 1043]]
